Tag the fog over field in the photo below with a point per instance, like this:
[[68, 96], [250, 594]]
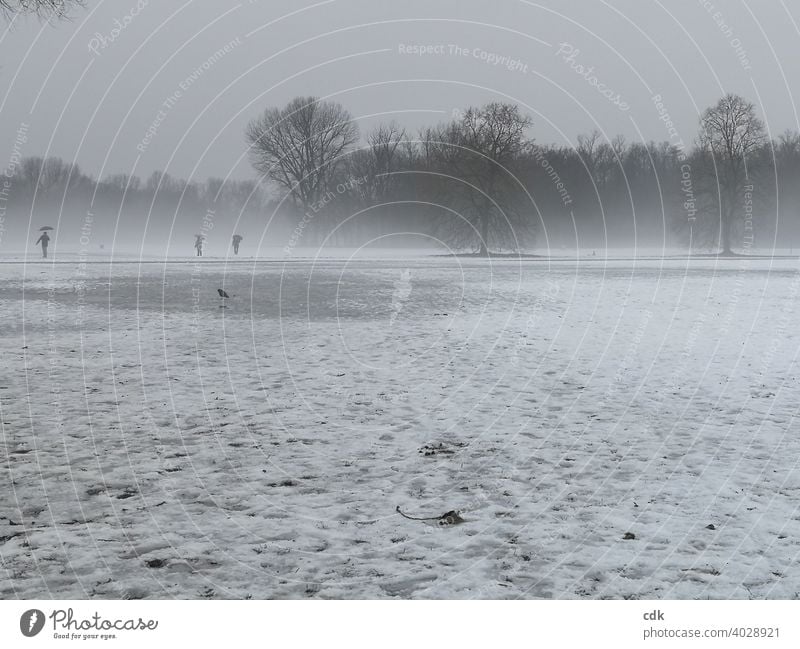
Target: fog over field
[[353, 300]]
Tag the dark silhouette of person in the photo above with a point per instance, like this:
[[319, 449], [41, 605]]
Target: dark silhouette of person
[[198, 244], [237, 239], [45, 240]]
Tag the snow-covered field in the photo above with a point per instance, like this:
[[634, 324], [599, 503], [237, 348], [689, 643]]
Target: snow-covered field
[[157, 443]]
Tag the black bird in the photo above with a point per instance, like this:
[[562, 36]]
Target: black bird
[[222, 293]]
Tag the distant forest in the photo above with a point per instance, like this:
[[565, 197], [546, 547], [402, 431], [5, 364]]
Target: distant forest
[[479, 182]]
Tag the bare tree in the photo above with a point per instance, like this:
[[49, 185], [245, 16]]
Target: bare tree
[[589, 151], [46, 174], [377, 163], [481, 149], [299, 147], [120, 184], [41, 8], [730, 132], [383, 143]]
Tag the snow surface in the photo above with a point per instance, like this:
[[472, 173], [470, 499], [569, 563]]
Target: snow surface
[[158, 443]]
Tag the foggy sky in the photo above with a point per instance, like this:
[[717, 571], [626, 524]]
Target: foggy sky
[[194, 73]]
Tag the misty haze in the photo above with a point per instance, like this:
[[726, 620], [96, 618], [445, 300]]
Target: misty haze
[[353, 300]]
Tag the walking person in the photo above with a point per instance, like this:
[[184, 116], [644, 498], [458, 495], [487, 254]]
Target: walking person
[[237, 239], [45, 240], [198, 244]]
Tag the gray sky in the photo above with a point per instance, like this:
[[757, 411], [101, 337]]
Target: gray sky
[[88, 93]]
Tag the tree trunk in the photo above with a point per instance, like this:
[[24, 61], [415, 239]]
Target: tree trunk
[[726, 232], [484, 234], [726, 238]]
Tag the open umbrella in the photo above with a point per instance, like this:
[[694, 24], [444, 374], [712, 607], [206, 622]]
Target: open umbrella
[[46, 227]]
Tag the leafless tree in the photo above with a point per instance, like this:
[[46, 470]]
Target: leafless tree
[[384, 142], [122, 183], [589, 151], [46, 174], [730, 133], [481, 150], [301, 146], [602, 158], [377, 163], [42, 8]]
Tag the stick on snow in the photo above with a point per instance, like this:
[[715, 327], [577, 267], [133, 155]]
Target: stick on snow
[[448, 518]]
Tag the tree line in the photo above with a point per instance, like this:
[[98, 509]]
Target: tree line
[[126, 211], [481, 182], [478, 183]]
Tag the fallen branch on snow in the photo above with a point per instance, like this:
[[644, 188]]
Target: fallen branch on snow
[[448, 518]]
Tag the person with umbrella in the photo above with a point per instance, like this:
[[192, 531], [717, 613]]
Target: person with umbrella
[[44, 239], [237, 239], [198, 244]]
